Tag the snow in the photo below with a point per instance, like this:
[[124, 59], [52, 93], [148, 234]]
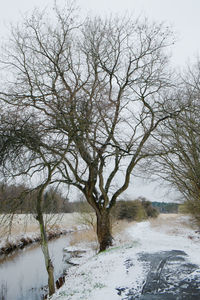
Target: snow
[[159, 240], [104, 274], [101, 274], [26, 227]]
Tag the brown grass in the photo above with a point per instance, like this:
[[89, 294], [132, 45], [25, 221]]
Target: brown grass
[[88, 236], [17, 224], [172, 223], [121, 225], [22, 223], [28, 224]]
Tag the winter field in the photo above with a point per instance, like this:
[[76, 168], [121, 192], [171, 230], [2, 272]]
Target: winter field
[[122, 271], [159, 257]]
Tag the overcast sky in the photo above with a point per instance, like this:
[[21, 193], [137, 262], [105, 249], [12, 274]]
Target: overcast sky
[[182, 15]]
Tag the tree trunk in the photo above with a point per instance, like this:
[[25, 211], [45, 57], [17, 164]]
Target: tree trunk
[[44, 245], [104, 230], [45, 250], [50, 271]]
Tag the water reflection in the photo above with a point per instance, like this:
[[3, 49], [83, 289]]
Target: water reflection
[[3, 291], [23, 274]]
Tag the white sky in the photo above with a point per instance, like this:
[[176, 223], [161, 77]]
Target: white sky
[[182, 15]]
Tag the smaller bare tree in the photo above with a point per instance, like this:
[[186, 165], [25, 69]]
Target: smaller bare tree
[[22, 154], [180, 166]]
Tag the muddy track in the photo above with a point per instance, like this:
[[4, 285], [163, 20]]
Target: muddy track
[[170, 277]]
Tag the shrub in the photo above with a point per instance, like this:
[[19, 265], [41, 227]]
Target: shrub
[[151, 211], [135, 210], [191, 207]]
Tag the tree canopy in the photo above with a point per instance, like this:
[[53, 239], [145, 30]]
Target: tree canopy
[[97, 90]]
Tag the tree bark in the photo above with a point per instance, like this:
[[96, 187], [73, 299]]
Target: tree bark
[[44, 246], [104, 230], [45, 250]]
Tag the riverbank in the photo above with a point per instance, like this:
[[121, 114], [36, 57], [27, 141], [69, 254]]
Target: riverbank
[[98, 274], [21, 230], [123, 271], [22, 272]]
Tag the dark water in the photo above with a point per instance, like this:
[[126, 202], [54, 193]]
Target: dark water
[[23, 274]]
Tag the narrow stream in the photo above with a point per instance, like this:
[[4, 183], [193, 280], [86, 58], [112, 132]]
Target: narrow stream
[[23, 274]]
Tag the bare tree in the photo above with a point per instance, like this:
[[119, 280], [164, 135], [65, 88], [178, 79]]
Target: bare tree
[[22, 154], [97, 86], [181, 139]]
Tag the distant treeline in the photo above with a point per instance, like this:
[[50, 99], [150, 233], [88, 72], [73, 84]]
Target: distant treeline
[[166, 208], [20, 199]]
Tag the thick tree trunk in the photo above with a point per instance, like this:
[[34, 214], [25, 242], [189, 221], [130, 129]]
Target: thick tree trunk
[[104, 230]]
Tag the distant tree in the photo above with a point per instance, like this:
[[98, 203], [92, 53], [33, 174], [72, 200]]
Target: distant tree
[[15, 198], [181, 139], [150, 211], [129, 210], [164, 207], [134, 210], [18, 198], [54, 202]]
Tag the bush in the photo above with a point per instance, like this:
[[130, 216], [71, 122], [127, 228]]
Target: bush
[[135, 210], [151, 211], [191, 207]]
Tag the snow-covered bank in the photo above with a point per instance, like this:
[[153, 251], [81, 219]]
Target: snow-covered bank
[[103, 276], [13, 243], [20, 230]]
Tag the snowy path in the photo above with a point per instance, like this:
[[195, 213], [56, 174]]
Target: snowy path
[[171, 276], [154, 264]]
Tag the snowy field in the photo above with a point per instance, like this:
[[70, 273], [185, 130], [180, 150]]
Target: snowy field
[[109, 275]]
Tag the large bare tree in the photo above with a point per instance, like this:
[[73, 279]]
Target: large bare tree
[[99, 86]]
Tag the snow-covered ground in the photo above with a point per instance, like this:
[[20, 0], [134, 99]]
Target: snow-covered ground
[[104, 275]]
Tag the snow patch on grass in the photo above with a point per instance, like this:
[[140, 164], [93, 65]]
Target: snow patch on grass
[[102, 275]]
